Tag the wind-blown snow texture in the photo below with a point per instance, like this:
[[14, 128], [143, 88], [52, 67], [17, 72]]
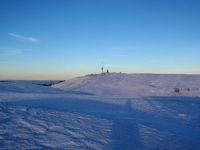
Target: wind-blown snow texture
[[117, 111]]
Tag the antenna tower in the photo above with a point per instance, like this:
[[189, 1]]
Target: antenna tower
[[102, 67]]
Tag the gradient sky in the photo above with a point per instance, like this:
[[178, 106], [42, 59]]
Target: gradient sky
[[62, 39]]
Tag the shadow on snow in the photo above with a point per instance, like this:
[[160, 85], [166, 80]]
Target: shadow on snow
[[125, 132]]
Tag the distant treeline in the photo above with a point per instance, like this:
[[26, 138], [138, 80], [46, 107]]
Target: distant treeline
[[51, 83]]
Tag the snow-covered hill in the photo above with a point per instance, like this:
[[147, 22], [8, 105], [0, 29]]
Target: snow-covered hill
[[116, 111], [131, 85]]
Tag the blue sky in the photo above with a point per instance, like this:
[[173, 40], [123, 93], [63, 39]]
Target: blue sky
[[62, 39]]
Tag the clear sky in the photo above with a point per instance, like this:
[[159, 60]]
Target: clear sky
[[62, 39]]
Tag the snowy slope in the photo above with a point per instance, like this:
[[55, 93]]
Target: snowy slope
[[117, 111], [132, 85]]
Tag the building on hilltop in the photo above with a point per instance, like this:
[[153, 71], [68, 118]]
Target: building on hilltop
[[104, 73]]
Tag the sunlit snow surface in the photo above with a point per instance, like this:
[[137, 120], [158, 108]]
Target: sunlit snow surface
[[116, 111]]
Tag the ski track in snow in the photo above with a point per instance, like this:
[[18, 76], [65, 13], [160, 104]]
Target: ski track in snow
[[117, 111]]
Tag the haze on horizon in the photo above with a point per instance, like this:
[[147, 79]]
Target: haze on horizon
[[63, 39]]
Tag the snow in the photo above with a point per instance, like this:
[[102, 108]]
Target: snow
[[131, 85], [116, 111]]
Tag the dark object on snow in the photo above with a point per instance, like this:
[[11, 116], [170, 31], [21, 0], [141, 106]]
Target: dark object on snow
[[46, 84], [51, 84], [7, 81], [61, 81], [189, 89], [178, 90]]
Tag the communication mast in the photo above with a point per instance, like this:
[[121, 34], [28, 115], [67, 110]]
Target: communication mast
[[102, 67]]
